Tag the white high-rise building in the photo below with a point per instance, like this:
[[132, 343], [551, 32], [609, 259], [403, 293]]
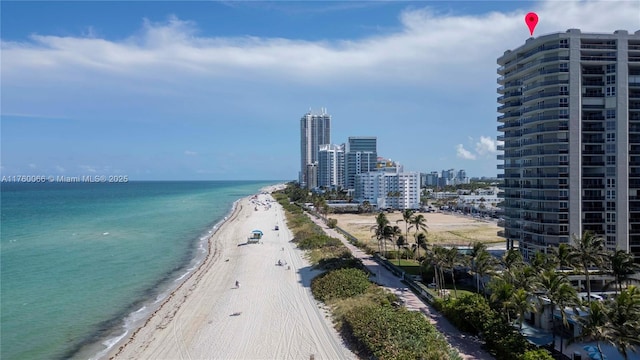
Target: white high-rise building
[[331, 166], [570, 123], [361, 156], [315, 130], [399, 190]]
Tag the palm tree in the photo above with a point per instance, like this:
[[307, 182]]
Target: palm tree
[[437, 259], [484, 264], [622, 265], [451, 259], [594, 326], [557, 288], [501, 292], [512, 258], [589, 252], [407, 215], [624, 319], [520, 302], [564, 256], [390, 233], [381, 223], [419, 223], [400, 244]]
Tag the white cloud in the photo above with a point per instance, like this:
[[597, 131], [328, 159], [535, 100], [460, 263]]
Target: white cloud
[[428, 46], [190, 153], [486, 146], [464, 153]]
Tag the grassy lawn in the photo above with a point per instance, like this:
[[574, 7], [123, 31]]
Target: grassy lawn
[[452, 293]]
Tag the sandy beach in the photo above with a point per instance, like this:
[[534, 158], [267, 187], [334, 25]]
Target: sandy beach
[[271, 315]]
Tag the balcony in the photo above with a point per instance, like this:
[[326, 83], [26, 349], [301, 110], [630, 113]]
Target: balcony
[[545, 83], [592, 71]]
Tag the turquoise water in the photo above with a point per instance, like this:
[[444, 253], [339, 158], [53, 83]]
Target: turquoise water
[[77, 259]]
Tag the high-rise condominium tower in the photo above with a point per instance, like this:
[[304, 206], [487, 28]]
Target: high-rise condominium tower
[[315, 130], [570, 105], [361, 156]]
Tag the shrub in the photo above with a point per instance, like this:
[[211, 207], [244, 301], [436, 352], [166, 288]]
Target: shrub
[[540, 354], [394, 333], [316, 241], [340, 284], [332, 223]]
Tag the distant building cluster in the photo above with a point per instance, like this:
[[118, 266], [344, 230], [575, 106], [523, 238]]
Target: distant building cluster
[[444, 178], [353, 166]]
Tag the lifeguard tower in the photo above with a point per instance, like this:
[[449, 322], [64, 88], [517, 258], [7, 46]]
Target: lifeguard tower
[[256, 236]]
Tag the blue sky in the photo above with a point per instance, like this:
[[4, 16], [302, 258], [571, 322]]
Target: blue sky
[[215, 90]]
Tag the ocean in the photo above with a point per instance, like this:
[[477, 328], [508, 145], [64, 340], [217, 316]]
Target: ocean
[[81, 262]]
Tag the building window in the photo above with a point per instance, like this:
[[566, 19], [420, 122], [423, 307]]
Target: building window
[[564, 102], [611, 228], [611, 148], [564, 43], [611, 113], [611, 159], [564, 229], [611, 79], [564, 90], [611, 137], [563, 216], [564, 66], [611, 68], [611, 91], [564, 205], [563, 113], [611, 125], [611, 206], [611, 171], [611, 217], [611, 194]]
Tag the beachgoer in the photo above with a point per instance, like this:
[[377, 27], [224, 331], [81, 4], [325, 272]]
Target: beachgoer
[[237, 284]]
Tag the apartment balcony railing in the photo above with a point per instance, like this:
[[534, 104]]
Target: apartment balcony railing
[[544, 72], [542, 49], [593, 128], [598, 58], [537, 63], [544, 95], [545, 106], [592, 71], [525, 142], [510, 94], [511, 104], [592, 83], [545, 129], [598, 46], [509, 115], [545, 83], [593, 118], [598, 95], [543, 118]]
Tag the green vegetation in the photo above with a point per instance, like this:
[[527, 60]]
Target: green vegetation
[[367, 316], [473, 314], [340, 284]]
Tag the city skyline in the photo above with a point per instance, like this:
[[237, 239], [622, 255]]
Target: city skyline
[[179, 91]]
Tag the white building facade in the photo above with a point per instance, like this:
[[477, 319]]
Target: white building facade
[[387, 190]]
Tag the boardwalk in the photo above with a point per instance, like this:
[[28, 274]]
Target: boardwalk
[[469, 347]]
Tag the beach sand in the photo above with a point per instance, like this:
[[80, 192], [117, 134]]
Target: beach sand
[[272, 315]]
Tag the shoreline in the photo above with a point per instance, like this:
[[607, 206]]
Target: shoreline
[[132, 322], [271, 315]]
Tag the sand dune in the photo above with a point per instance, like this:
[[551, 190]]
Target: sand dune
[[272, 315]]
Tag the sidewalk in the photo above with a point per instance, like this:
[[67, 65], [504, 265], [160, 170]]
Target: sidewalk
[[468, 346]]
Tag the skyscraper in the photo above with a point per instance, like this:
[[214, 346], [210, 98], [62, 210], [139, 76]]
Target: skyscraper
[[570, 105], [361, 156], [315, 130], [331, 166]]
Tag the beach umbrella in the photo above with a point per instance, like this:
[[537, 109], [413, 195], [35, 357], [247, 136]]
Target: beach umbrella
[[257, 232], [593, 353]]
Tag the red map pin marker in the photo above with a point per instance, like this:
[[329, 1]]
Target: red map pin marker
[[531, 19]]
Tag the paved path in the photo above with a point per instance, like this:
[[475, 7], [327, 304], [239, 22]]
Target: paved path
[[468, 346]]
